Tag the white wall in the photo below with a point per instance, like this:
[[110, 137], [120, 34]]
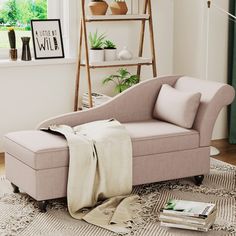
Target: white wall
[[190, 20], [31, 94]]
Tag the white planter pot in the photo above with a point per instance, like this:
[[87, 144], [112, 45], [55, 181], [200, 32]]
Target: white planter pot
[[96, 55], [110, 54]]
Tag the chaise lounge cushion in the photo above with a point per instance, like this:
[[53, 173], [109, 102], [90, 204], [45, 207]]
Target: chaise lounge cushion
[[154, 136], [42, 150], [177, 107]]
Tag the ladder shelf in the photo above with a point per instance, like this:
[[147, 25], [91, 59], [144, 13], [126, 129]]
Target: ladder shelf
[[145, 16]]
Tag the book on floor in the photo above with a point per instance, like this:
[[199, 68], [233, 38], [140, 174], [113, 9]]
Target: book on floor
[[188, 208], [188, 219], [189, 227], [188, 215]]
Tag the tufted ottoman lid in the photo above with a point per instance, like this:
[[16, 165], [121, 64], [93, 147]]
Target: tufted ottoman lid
[[38, 149]]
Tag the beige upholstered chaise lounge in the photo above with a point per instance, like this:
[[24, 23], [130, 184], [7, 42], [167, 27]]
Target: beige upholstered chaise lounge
[[37, 161]]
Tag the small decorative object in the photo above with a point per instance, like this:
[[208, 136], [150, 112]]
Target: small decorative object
[[98, 7], [96, 52], [47, 39], [123, 80], [26, 55], [119, 7], [12, 41], [110, 51], [125, 54]]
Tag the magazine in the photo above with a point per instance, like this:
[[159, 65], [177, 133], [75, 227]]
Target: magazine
[[188, 208], [190, 227], [170, 218]]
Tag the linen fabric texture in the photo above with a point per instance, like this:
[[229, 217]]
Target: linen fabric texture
[[176, 107], [100, 168]]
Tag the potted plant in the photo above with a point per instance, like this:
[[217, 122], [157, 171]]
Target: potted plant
[[98, 7], [96, 52], [12, 41], [110, 51], [123, 80], [119, 7]]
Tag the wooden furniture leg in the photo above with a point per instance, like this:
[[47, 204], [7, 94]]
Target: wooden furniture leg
[[154, 66], [141, 42], [87, 55], [43, 206], [15, 188], [198, 179], [77, 84]]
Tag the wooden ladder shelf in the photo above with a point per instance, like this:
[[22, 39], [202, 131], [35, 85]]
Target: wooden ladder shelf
[[140, 61]]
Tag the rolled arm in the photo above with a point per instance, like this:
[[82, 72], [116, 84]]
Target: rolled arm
[[214, 97], [134, 104]]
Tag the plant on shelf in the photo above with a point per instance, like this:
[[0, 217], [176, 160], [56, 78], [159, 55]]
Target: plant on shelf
[[122, 80], [119, 7], [98, 7], [96, 52], [110, 51], [12, 41], [109, 45]]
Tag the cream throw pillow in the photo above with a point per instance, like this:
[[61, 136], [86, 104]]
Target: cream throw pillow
[[176, 106]]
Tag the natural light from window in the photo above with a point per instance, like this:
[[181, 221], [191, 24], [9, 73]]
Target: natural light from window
[[18, 14]]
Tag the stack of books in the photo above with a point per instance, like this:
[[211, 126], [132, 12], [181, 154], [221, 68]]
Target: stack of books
[[190, 215], [97, 99]]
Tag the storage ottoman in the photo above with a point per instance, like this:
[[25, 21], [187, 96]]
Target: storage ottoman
[[37, 162]]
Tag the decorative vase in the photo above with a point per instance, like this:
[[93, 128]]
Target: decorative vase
[[110, 54], [26, 55], [98, 7], [125, 54], [13, 54], [96, 55], [118, 8]]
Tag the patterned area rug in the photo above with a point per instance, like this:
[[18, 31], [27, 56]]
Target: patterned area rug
[[19, 214]]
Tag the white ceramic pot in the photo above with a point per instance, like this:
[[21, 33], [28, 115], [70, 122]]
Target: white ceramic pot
[[96, 55], [125, 54], [110, 54]]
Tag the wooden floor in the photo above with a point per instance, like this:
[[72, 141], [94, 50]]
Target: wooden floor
[[227, 151], [1, 164], [228, 154]]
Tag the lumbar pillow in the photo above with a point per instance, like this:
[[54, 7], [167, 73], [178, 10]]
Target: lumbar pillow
[[176, 106]]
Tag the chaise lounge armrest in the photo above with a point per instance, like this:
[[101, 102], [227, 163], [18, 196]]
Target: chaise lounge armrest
[[214, 96], [134, 104]]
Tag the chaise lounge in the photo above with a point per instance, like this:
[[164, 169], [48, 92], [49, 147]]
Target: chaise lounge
[[37, 161]]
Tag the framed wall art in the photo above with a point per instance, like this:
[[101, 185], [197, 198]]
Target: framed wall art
[[47, 39]]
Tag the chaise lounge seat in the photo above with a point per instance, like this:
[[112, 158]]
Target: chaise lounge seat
[[37, 161]]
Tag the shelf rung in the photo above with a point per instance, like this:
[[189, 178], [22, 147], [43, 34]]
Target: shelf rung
[[119, 65], [117, 18]]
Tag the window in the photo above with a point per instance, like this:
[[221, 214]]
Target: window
[[17, 14]]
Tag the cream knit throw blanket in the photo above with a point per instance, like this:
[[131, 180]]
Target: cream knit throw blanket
[[100, 168]]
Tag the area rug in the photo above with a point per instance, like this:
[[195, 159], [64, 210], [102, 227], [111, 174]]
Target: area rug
[[19, 214]]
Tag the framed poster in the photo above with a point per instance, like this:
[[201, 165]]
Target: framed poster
[[47, 39]]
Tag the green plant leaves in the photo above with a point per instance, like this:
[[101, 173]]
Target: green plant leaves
[[109, 44], [123, 80], [96, 41]]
